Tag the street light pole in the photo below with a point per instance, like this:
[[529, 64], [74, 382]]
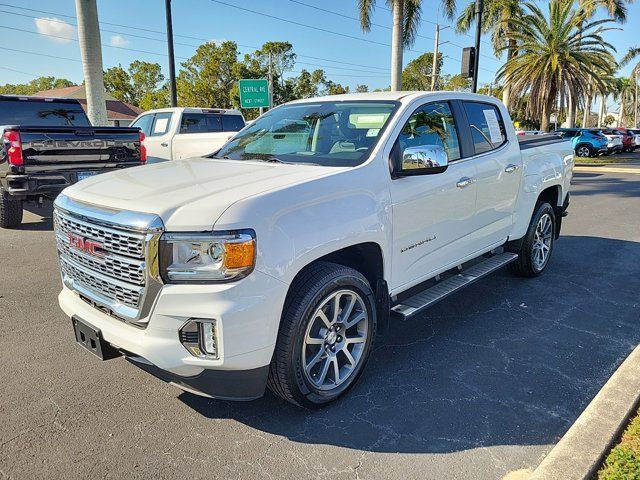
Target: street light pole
[[479, 6], [172, 65]]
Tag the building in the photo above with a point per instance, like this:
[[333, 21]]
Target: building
[[119, 114]]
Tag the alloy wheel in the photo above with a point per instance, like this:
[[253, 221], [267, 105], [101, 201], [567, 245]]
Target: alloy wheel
[[542, 242]]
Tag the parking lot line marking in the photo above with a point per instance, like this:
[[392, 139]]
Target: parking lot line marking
[[635, 170]]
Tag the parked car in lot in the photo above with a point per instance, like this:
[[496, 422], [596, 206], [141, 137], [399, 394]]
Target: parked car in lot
[[636, 138], [628, 139], [176, 133], [276, 261], [586, 142], [49, 144], [615, 143], [530, 132]]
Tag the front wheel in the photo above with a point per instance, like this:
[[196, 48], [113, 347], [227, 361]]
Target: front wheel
[[325, 337], [537, 244]]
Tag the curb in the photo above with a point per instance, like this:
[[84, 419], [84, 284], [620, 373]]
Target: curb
[[580, 452], [600, 169]]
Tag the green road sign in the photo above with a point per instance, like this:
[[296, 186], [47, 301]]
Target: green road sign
[[254, 93]]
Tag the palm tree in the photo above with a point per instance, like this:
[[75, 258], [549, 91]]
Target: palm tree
[[406, 19], [91, 52], [631, 55], [498, 16], [555, 55]]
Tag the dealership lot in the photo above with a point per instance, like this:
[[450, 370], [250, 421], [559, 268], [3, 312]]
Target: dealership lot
[[484, 383]]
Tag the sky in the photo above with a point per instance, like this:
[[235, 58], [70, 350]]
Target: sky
[[331, 41]]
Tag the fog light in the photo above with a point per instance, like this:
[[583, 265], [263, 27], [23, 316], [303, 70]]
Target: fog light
[[199, 337]]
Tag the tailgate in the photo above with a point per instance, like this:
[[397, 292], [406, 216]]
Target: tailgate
[[54, 147]]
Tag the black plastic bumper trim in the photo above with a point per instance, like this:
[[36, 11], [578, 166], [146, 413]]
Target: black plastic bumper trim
[[237, 385]]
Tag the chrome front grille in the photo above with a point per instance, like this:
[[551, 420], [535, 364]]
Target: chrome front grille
[[113, 274], [113, 240]]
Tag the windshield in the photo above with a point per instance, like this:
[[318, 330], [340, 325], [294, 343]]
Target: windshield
[[323, 133], [42, 113]]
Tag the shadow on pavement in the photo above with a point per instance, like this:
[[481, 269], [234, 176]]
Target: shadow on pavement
[[44, 214], [598, 183], [509, 361]]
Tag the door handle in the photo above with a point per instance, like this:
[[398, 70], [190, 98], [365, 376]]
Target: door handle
[[464, 182], [511, 168], [164, 144]]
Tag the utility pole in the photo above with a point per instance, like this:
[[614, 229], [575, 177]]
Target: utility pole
[[434, 69], [91, 53], [172, 63], [270, 83], [479, 7]]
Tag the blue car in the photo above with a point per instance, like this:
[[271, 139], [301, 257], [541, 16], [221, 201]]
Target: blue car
[[587, 142]]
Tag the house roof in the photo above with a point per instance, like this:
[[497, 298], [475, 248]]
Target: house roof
[[116, 110]]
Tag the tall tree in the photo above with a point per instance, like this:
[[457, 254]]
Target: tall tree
[[498, 18], [91, 53], [406, 20], [630, 56], [210, 77], [117, 82], [556, 52], [36, 85], [417, 74]]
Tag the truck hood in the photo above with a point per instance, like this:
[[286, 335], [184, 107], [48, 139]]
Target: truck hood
[[190, 194]]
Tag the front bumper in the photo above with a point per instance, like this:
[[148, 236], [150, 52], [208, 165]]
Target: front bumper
[[247, 315]]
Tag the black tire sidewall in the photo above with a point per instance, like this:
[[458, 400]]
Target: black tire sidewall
[[541, 209], [307, 394]]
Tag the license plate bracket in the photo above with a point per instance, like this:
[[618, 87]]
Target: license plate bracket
[[90, 338]]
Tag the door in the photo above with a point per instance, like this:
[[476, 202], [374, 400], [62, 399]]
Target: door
[[199, 134], [158, 140], [432, 214], [498, 165]]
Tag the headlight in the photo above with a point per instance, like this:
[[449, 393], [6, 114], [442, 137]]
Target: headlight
[[207, 257]]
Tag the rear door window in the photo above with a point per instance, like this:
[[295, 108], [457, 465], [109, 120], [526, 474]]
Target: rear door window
[[487, 127], [232, 123], [161, 124]]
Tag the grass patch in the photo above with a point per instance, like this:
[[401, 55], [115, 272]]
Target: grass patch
[[604, 160], [623, 462]]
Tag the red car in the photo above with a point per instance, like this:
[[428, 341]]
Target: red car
[[628, 139]]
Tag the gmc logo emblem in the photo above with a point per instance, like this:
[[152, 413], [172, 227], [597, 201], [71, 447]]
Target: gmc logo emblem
[[86, 245]]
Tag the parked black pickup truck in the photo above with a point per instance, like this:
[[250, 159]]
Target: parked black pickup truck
[[48, 144]]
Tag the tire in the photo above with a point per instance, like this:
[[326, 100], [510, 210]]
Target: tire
[[527, 264], [584, 151], [10, 211], [315, 290]]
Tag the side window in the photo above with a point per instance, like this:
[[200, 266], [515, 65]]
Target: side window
[[144, 123], [431, 124], [161, 124], [487, 127], [193, 123], [214, 123], [232, 123]]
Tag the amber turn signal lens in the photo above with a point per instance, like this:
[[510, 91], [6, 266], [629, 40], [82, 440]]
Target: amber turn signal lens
[[240, 255]]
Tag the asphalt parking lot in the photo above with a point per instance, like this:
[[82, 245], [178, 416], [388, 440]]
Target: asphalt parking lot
[[484, 383]]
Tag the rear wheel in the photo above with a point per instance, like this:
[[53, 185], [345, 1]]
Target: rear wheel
[[537, 245], [10, 211], [584, 151], [325, 337]]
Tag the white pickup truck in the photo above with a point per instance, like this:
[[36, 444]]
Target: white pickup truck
[[276, 261], [185, 132]]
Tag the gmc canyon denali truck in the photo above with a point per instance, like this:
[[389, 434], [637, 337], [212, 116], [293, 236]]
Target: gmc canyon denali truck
[[276, 260], [48, 144]]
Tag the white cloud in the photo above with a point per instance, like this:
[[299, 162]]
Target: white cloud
[[62, 32], [118, 41]]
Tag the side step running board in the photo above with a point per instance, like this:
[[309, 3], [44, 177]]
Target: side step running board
[[422, 300]]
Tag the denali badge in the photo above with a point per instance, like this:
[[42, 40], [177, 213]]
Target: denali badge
[[86, 245]]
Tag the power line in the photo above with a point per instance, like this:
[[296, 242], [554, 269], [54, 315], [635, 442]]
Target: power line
[[176, 35], [349, 17], [19, 71]]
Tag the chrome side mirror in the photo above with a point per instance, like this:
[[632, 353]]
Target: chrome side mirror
[[423, 160]]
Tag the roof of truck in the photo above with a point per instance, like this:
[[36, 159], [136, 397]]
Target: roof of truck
[[392, 96]]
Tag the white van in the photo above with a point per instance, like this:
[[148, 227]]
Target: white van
[[176, 133]]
